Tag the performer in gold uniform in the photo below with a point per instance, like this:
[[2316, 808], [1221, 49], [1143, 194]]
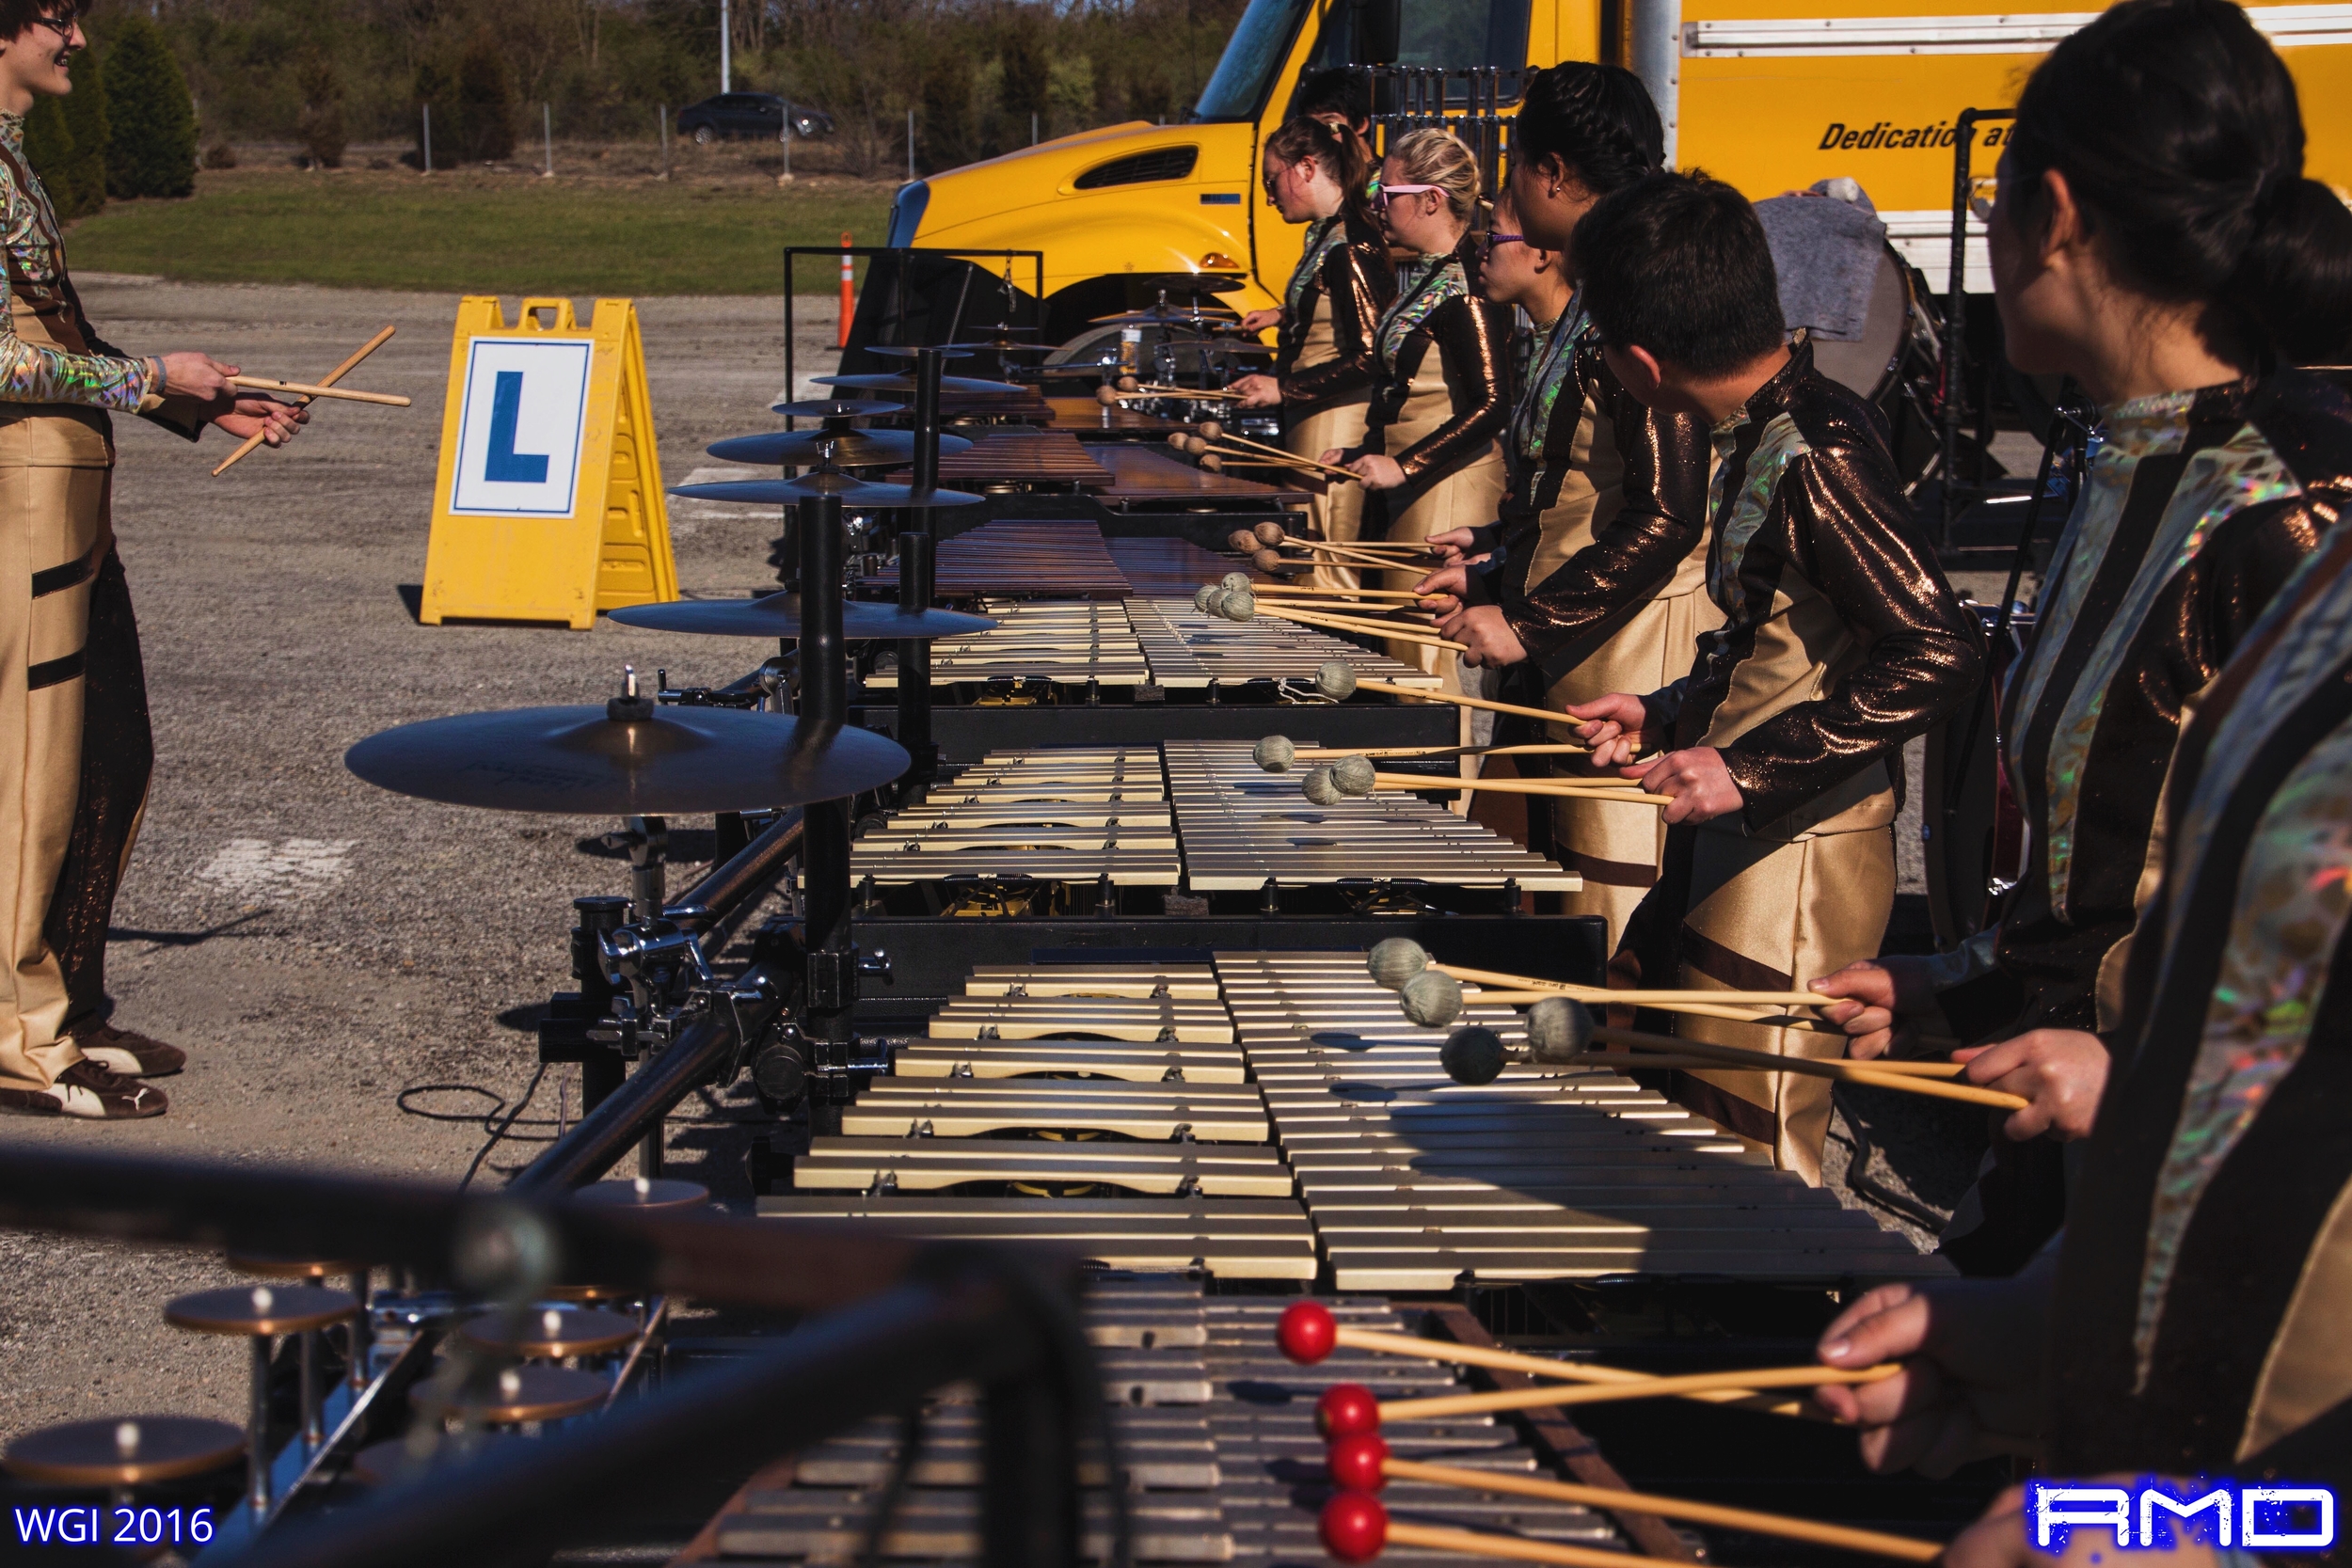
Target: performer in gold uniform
[[2134, 252], [1840, 642], [1441, 379], [1317, 174], [59, 576], [1600, 583]]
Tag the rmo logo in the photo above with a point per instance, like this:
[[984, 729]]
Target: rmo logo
[[2276, 1519], [1886, 135]]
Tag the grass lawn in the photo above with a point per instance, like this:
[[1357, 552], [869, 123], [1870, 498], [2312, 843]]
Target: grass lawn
[[483, 233]]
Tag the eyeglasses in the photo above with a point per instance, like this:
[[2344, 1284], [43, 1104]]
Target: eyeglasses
[[61, 25], [1486, 242], [1983, 190], [1385, 193]]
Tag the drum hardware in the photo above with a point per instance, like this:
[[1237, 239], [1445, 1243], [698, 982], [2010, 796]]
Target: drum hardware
[[262, 1313]]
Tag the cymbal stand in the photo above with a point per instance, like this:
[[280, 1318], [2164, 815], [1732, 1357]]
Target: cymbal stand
[[917, 579], [830, 996]]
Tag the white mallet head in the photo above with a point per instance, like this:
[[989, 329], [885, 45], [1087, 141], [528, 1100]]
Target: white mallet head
[[1432, 999], [1275, 753], [1336, 678]]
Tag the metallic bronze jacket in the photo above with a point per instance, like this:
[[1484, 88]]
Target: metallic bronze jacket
[[1663, 457], [1473, 339], [2198, 507], [1357, 281], [1840, 639], [2206, 1273]]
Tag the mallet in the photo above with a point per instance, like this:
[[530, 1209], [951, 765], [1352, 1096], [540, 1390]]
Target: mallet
[[1355, 1527], [1564, 1034], [1243, 606], [309, 390], [1362, 1464], [1395, 960], [1308, 1333], [1338, 680], [1276, 753], [1370, 1414], [247, 447]]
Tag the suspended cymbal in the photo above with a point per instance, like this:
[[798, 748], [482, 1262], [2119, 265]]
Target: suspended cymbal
[[851, 449], [1189, 285], [906, 383], [836, 408], [674, 762], [824, 481], [945, 350], [1007, 347], [779, 615], [1207, 318]]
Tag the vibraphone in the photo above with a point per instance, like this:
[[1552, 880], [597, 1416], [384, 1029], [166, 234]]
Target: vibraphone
[[1074, 827], [1142, 670]]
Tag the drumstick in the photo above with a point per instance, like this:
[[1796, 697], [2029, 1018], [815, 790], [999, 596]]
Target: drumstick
[[1306, 1333], [1150, 389], [329, 379], [1876, 1544], [266, 384], [1645, 1388]]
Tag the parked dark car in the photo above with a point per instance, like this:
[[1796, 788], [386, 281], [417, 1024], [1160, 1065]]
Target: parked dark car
[[751, 114]]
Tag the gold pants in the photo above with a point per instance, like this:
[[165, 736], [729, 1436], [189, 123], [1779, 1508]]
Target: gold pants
[[1760, 913], [1338, 513], [54, 535], [1466, 498], [1616, 848]]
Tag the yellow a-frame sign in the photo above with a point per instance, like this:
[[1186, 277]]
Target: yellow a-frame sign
[[549, 505]]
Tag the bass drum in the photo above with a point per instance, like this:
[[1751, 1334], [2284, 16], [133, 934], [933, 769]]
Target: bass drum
[[1974, 835], [1894, 363]]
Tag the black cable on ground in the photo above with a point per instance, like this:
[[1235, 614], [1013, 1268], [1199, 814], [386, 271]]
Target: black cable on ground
[[500, 1130]]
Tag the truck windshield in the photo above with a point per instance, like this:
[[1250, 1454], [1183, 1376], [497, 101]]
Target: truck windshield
[[1238, 89]]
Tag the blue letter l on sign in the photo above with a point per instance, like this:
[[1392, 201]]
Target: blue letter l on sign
[[505, 466]]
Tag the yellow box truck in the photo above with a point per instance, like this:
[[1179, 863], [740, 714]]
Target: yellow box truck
[[1768, 94]]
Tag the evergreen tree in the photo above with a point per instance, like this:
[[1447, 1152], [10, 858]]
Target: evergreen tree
[[85, 117], [485, 107], [49, 148], [321, 121], [151, 121], [1028, 78], [944, 117]]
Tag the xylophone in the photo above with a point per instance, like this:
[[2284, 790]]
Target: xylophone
[[1064, 641], [1021, 456], [1218, 1448]]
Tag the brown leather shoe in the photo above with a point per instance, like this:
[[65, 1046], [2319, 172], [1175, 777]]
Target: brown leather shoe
[[128, 1054], [91, 1093]]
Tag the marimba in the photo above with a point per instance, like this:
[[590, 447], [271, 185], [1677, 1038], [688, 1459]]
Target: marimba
[[1084, 642], [1051, 1125]]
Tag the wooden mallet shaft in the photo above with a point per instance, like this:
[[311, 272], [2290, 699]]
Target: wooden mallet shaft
[[1496, 1360], [1326, 753], [1877, 1543], [1600, 789], [1519, 1548], [1548, 715], [245, 449], [312, 389], [1610, 1393], [1639, 998], [1732, 1058], [1370, 628]]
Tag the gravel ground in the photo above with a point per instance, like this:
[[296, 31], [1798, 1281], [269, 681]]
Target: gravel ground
[[318, 945]]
